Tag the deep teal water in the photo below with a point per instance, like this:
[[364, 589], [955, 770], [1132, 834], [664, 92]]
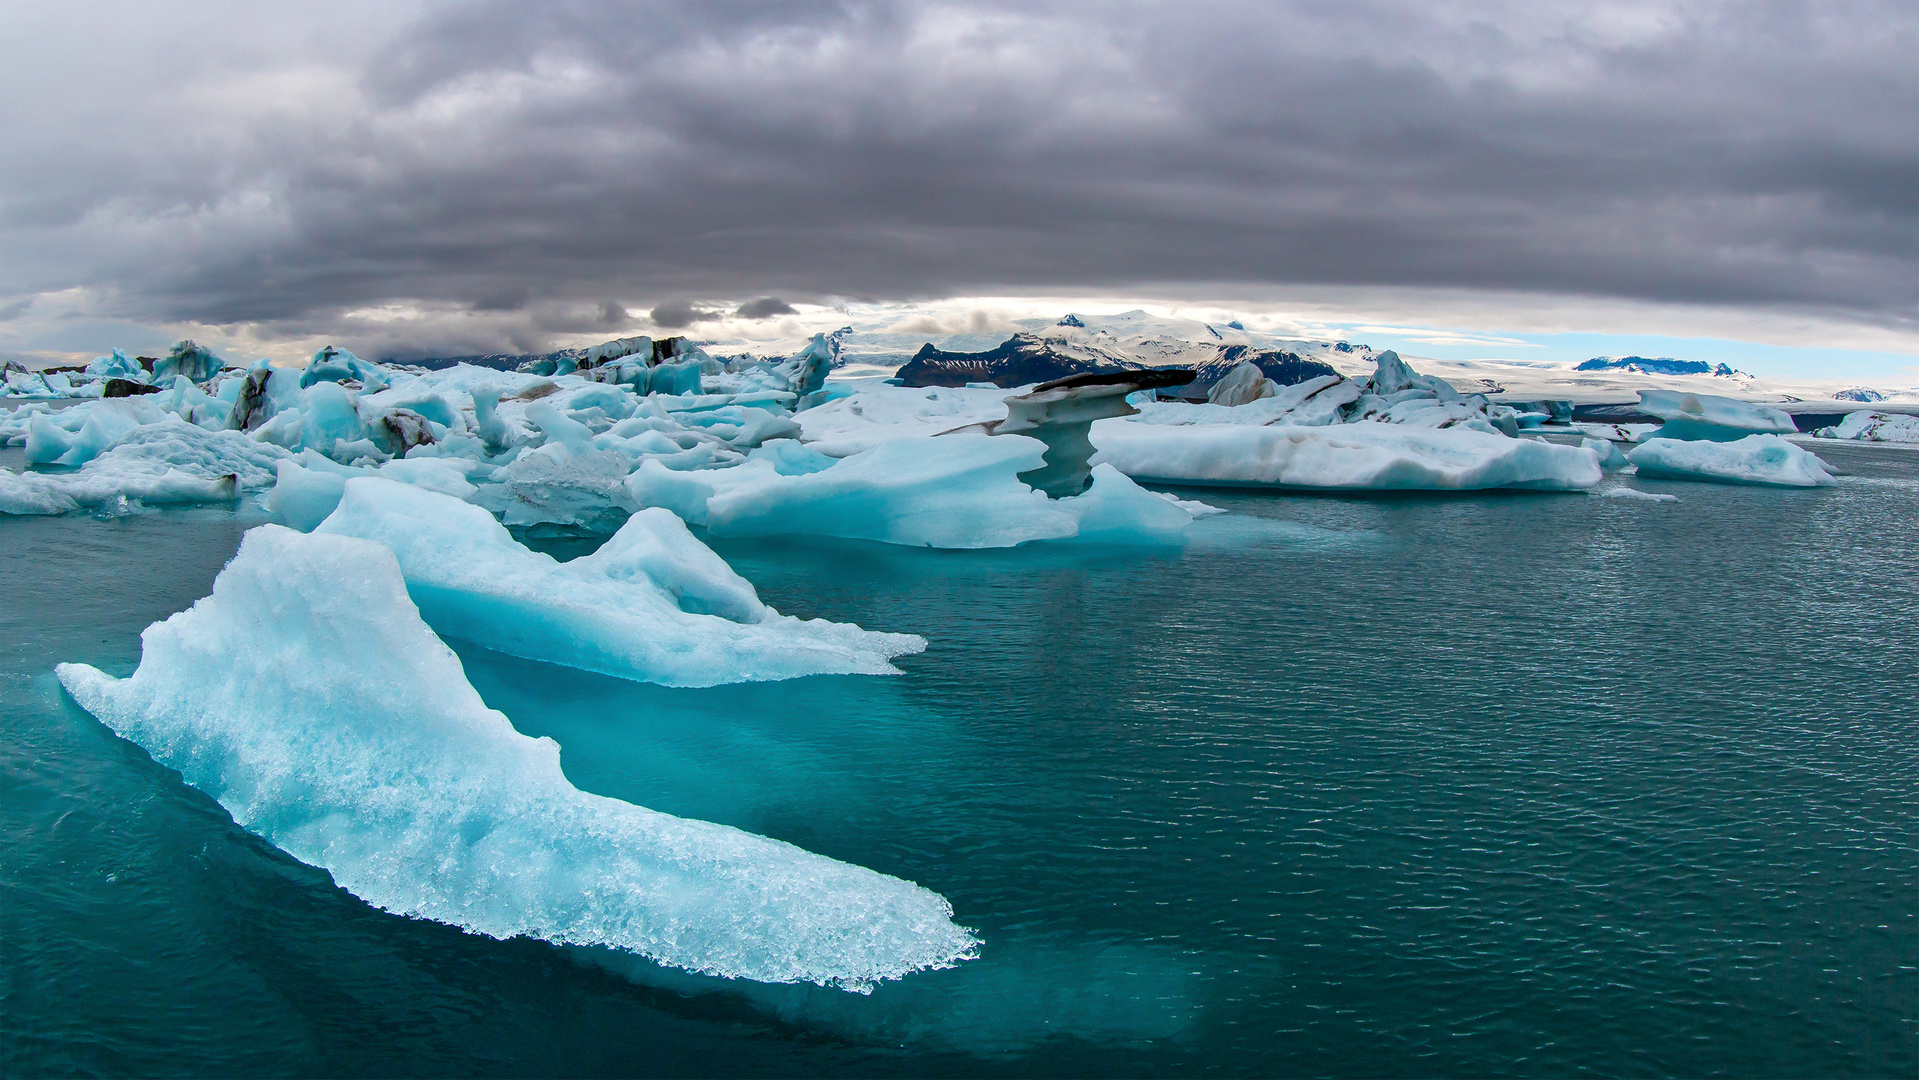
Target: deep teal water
[[1490, 785]]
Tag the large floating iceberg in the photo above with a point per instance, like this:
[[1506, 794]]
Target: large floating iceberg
[[308, 697], [1874, 427], [1767, 460], [954, 491], [1345, 457], [1710, 418], [653, 604]]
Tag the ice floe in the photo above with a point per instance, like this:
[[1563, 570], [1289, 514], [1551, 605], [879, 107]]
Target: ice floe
[[1346, 457], [1710, 418], [1633, 494], [1767, 460], [652, 604], [308, 697]]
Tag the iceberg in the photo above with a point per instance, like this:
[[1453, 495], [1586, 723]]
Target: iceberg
[[85, 432], [1242, 385], [307, 696], [1709, 418], [951, 491], [337, 365], [1061, 415], [653, 604], [1610, 455], [1874, 427], [194, 362], [1343, 457], [167, 461], [1767, 460]]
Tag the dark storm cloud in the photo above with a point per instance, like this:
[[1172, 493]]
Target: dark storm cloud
[[545, 156], [678, 313], [764, 308]]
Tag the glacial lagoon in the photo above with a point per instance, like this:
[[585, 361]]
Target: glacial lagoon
[[1495, 783]]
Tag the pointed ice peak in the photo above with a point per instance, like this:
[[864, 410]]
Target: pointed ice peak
[[1072, 320]]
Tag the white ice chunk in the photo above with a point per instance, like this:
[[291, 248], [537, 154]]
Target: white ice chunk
[[1314, 403], [1716, 419], [166, 461], [307, 696], [1756, 459], [1874, 427], [960, 491], [653, 604], [1242, 385], [1623, 492], [1342, 457]]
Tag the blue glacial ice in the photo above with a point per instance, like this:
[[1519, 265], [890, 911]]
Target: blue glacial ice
[[1766, 460], [307, 696], [757, 447], [165, 461], [653, 604], [952, 491]]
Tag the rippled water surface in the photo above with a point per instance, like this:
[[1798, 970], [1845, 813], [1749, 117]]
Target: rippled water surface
[[1490, 785]]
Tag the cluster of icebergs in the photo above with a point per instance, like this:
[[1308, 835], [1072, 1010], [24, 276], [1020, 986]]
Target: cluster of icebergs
[[756, 447], [312, 693]]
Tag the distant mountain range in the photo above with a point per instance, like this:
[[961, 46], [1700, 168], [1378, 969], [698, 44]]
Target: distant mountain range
[[1032, 350], [1025, 358], [1078, 344], [1655, 365]]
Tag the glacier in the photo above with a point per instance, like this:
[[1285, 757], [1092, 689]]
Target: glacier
[[652, 604], [307, 697], [1767, 460]]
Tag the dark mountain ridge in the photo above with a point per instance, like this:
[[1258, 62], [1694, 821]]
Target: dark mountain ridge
[[1025, 358]]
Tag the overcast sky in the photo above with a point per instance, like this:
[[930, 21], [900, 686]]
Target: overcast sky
[[454, 178]]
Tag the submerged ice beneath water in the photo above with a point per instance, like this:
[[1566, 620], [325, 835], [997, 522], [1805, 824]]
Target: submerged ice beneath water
[[308, 697]]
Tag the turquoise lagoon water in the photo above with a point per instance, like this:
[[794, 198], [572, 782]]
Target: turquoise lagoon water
[[1491, 785]]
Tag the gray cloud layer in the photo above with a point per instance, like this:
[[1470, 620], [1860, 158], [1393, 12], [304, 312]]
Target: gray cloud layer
[[282, 167]]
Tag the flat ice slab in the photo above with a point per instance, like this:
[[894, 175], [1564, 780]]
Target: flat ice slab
[[1767, 460], [308, 697], [1342, 457]]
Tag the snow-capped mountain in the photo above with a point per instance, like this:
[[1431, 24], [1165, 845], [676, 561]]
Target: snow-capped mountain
[[1656, 365]]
